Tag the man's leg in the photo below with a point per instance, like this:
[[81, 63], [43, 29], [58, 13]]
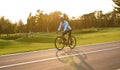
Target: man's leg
[[63, 36], [69, 35], [70, 31]]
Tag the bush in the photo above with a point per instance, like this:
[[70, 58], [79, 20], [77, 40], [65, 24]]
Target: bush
[[12, 37]]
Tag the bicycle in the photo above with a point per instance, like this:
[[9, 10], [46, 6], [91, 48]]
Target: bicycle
[[60, 44]]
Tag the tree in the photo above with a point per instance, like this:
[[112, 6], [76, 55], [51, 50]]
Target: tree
[[88, 20], [31, 23], [54, 20], [116, 12], [39, 21], [20, 26], [6, 26], [117, 6]]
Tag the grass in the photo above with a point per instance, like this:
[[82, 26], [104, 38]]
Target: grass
[[40, 41], [101, 35]]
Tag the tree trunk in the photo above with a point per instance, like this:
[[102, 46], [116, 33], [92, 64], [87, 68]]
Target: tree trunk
[[47, 29]]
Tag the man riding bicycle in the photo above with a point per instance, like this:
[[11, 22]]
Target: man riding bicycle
[[67, 28]]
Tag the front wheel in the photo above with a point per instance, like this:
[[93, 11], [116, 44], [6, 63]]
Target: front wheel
[[72, 42], [59, 43]]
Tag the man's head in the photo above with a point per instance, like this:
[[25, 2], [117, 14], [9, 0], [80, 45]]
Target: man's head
[[62, 18]]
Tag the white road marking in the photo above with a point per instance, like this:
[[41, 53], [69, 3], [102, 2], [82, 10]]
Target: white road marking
[[7, 55], [47, 59]]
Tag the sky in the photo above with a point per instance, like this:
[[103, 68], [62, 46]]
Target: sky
[[20, 9]]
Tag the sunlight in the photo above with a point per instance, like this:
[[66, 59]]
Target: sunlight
[[20, 9]]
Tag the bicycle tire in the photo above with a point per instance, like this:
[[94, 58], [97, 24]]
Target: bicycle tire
[[74, 41], [55, 42]]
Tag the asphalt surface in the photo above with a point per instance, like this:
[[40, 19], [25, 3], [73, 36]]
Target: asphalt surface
[[102, 56]]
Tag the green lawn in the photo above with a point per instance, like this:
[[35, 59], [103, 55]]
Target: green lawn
[[40, 41]]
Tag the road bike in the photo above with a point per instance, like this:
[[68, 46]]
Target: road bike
[[60, 44]]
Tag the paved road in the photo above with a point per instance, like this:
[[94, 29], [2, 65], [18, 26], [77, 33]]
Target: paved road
[[103, 56]]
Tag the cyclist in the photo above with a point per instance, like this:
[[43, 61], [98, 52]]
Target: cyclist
[[67, 28]]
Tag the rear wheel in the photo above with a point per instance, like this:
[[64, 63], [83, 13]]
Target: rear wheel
[[59, 43], [72, 42]]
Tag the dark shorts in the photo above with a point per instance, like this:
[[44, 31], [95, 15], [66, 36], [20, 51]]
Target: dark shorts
[[67, 31]]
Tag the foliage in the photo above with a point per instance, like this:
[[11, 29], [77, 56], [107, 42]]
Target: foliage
[[42, 22], [117, 6], [10, 37]]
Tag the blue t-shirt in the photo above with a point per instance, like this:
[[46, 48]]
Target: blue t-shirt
[[65, 25]]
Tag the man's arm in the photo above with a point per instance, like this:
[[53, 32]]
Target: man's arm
[[59, 28]]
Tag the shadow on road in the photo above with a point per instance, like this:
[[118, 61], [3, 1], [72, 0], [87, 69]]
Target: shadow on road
[[76, 59]]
